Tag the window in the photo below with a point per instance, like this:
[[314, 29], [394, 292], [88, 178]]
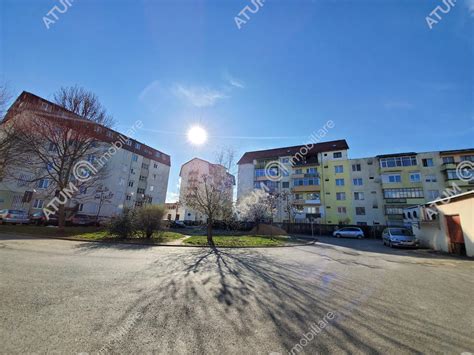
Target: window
[[393, 210], [391, 178], [430, 178], [298, 196], [360, 211], [398, 161], [357, 182], [140, 191], [128, 198], [427, 162], [356, 167], [433, 194], [340, 196], [337, 155], [414, 192], [299, 171], [43, 184], [91, 158], [448, 160], [121, 181], [38, 203], [157, 154], [132, 171], [109, 134], [83, 190], [134, 157], [152, 188], [339, 182], [142, 178], [338, 169], [155, 165], [415, 177], [313, 196], [359, 196], [130, 183], [129, 142], [138, 145], [467, 157], [452, 174], [342, 210], [285, 184], [306, 182], [23, 180], [145, 166], [285, 160], [311, 171], [81, 207]]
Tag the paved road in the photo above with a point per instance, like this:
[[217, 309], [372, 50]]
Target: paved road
[[73, 297]]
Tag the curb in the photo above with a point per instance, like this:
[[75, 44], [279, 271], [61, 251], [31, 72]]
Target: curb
[[161, 245]]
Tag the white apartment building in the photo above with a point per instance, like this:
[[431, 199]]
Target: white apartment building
[[136, 174], [191, 173]]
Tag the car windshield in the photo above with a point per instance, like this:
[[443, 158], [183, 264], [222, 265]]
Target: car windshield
[[400, 231]]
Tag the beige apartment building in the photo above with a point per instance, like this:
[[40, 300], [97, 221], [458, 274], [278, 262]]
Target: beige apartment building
[[137, 174]]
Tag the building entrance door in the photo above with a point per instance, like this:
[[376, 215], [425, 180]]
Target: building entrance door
[[456, 237]]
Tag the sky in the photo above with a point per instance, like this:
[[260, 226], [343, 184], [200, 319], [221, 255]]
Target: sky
[[268, 79]]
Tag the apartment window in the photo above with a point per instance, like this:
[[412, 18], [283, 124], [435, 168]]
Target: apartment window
[[157, 154], [393, 210], [339, 182], [140, 191], [109, 134], [430, 178], [427, 162], [398, 161], [138, 145], [130, 183], [43, 184], [134, 157], [81, 207], [311, 171], [155, 165], [23, 180], [467, 157], [299, 171], [312, 210], [337, 155], [448, 160], [154, 176], [83, 190], [128, 198], [342, 210], [91, 158], [313, 196], [357, 182], [340, 196], [145, 166], [132, 171], [306, 182], [285, 160], [391, 178], [452, 174], [338, 169], [298, 196], [359, 196], [433, 194], [356, 167], [129, 142], [142, 178], [38, 203], [414, 192], [360, 211], [285, 184], [415, 177]]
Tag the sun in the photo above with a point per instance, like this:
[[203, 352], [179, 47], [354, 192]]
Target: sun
[[197, 135]]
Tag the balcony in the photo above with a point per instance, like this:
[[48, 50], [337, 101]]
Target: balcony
[[307, 202], [306, 188]]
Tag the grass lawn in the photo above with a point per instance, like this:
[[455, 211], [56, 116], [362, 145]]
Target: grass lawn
[[90, 233], [242, 241]]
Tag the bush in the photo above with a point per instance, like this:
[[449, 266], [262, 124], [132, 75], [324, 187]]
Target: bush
[[123, 225], [149, 219]]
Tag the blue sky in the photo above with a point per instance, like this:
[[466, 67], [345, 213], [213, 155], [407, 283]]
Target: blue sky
[[388, 82]]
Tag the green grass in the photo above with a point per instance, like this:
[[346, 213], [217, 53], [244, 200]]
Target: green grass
[[88, 233], [242, 241]]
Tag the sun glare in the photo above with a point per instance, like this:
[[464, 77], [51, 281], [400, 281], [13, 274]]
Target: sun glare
[[197, 135]]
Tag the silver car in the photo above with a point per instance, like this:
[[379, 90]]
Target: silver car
[[399, 237], [14, 217], [351, 232]]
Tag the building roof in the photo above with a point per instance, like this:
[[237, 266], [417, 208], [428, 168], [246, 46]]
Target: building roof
[[457, 151], [249, 157], [31, 102], [209, 163]]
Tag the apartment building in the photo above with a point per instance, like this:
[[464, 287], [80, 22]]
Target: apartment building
[[326, 186], [136, 174], [191, 174]]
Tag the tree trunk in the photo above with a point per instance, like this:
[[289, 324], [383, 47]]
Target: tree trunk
[[210, 241], [61, 218]]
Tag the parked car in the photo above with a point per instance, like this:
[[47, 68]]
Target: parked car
[[81, 220], [177, 224], [399, 237], [39, 218], [14, 217], [350, 232]]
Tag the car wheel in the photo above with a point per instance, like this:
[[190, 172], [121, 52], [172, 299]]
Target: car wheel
[[338, 235], [359, 237], [390, 244]]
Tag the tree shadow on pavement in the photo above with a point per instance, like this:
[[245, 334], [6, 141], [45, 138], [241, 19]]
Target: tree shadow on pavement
[[241, 300]]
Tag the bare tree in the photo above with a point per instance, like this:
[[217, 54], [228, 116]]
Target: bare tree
[[5, 97], [211, 195], [226, 158], [52, 145]]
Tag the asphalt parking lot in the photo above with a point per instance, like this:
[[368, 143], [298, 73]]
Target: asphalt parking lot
[[75, 297]]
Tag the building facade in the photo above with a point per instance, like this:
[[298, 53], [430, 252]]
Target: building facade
[[136, 174], [328, 187], [191, 174]]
